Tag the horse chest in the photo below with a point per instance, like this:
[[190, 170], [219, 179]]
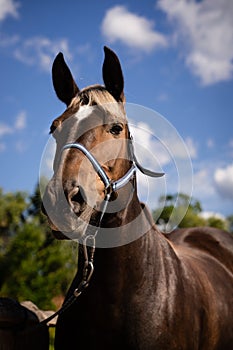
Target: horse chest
[[133, 319]]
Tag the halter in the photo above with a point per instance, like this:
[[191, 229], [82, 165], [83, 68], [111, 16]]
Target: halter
[[113, 186], [89, 239], [109, 185]]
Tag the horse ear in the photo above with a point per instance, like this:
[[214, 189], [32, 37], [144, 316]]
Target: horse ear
[[63, 81], [112, 75]]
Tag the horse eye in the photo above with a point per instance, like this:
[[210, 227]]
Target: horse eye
[[116, 129]]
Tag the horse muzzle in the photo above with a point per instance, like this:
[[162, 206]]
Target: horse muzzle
[[68, 215]]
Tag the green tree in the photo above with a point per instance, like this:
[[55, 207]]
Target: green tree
[[192, 219], [192, 209], [34, 266], [34, 270], [216, 222], [230, 222], [11, 207], [178, 204]]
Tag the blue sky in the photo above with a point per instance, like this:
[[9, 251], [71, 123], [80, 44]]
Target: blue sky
[[177, 59]]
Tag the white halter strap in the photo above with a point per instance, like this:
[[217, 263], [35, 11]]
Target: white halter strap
[[113, 185]]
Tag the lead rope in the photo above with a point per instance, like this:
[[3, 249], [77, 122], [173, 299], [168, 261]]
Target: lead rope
[[88, 268], [89, 240]]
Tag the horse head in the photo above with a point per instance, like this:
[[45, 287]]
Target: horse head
[[93, 126]]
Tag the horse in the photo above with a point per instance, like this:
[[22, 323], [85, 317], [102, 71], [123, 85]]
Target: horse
[[148, 290]]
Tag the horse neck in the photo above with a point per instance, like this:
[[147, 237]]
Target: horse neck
[[149, 255]]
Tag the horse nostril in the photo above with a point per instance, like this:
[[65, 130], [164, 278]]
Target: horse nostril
[[76, 197]]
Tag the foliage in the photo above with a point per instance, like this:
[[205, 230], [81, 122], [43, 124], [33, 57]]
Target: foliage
[[11, 207], [230, 222], [192, 217], [33, 265]]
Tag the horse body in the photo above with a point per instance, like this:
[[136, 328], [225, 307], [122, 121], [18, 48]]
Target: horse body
[[150, 294], [206, 258], [154, 292]]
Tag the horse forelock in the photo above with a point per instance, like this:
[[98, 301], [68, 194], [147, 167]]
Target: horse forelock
[[94, 95]]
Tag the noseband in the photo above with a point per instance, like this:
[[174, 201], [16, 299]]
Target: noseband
[[110, 186], [113, 186]]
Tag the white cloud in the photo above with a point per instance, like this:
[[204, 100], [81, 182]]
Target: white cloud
[[223, 178], [211, 214], [205, 30], [151, 154], [165, 150], [204, 188], [20, 122], [191, 146], [16, 127], [5, 129], [202, 184], [210, 143], [8, 8], [41, 51], [167, 153], [133, 30], [149, 151], [34, 51]]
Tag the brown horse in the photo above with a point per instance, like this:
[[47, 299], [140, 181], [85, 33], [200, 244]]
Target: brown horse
[[148, 291]]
